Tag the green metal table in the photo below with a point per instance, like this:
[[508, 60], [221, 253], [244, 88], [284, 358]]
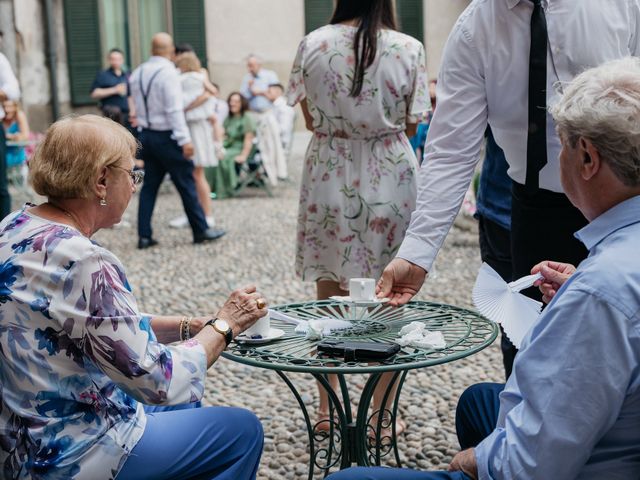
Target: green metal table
[[343, 440]]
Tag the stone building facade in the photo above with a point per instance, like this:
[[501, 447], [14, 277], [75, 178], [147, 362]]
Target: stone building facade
[[62, 43]]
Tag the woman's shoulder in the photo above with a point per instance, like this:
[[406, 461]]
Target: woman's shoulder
[[406, 41], [326, 33]]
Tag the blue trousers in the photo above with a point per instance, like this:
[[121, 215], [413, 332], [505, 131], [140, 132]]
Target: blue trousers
[[162, 155], [187, 442], [476, 417]]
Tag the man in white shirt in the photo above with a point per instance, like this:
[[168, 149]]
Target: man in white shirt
[[497, 56], [9, 90], [166, 142], [285, 115]]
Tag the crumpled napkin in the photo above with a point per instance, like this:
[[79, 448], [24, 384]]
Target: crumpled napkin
[[416, 335], [318, 328]]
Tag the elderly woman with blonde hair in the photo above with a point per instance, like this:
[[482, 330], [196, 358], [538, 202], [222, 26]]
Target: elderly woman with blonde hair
[[79, 362]]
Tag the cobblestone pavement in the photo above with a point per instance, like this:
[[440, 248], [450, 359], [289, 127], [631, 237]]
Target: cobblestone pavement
[[178, 277]]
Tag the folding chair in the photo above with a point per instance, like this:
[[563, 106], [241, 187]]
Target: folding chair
[[252, 173]]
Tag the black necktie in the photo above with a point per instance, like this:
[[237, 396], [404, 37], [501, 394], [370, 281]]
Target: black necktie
[[537, 133]]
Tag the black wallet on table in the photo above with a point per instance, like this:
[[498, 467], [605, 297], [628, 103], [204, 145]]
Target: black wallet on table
[[358, 351]]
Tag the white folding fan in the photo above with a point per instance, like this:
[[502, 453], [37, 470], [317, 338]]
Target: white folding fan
[[503, 303]]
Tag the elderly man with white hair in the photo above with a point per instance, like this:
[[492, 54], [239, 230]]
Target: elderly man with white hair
[[571, 408]]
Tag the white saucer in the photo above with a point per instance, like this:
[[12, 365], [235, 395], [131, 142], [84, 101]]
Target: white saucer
[[363, 303], [274, 334]]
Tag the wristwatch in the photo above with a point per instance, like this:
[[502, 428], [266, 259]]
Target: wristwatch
[[222, 327]]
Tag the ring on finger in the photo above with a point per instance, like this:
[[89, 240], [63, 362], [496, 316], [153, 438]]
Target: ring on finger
[[261, 303]]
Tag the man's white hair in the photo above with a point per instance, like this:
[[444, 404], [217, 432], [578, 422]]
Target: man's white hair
[[602, 104]]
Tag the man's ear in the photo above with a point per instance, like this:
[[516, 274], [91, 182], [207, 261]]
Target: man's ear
[[591, 160]]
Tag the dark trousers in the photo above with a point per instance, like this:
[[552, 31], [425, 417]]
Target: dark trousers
[[5, 198], [495, 250], [476, 418], [162, 155], [542, 228]]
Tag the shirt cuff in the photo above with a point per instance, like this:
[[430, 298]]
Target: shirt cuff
[[182, 140], [483, 451], [417, 252]]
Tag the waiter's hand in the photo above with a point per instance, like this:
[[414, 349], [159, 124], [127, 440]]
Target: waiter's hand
[[555, 274], [400, 281], [187, 150]]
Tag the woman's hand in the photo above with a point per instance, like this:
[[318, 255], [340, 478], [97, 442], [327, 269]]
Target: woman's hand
[[555, 274], [241, 310], [240, 158]]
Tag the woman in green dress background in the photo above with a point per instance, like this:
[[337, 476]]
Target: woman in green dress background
[[240, 130]]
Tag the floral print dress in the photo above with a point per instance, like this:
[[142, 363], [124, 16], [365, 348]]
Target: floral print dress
[[359, 179], [77, 359]]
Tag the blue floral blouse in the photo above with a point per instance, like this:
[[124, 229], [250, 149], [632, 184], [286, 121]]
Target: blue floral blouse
[[77, 359]]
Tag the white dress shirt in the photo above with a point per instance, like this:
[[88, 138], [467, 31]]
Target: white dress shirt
[[285, 116], [164, 98], [484, 79], [8, 82]]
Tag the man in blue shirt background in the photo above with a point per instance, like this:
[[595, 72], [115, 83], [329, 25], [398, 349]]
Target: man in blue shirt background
[[255, 84], [111, 87], [571, 408]]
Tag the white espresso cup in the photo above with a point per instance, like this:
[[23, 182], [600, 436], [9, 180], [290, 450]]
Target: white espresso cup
[[261, 328], [362, 289]]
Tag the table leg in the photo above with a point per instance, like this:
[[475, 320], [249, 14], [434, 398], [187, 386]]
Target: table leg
[[371, 451]]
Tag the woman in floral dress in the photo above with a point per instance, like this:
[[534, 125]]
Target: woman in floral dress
[[362, 87]]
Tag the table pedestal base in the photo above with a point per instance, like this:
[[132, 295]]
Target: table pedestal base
[[340, 441]]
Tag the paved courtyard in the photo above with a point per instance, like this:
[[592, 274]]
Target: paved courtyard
[[179, 278]]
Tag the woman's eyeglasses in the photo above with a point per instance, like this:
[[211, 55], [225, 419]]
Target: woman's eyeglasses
[[136, 175]]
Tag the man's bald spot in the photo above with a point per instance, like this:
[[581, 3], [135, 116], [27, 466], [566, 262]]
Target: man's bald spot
[[162, 44]]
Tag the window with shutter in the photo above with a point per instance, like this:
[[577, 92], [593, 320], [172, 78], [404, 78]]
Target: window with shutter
[[189, 26], [84, 56], [410, 17], [317, 13]]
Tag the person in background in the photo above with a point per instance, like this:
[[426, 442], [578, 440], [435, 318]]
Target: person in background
[[221, 106], [91, 387], [420, 138], [166, 142], [16, 129], [359, 181], [9, 90], [255, 84], [199, 121], [571, 407], [111, 87], [284, 114], [240, 131]]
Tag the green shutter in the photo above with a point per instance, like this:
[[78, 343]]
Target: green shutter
[[189, 26], [84, 55], [410, 18], [317, 13]]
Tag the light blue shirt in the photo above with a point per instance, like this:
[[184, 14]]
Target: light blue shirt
[[571, 408], [258, 103]]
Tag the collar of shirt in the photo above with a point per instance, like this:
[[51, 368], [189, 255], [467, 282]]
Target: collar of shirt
[[622, 215], [157, 59], [513, 3]]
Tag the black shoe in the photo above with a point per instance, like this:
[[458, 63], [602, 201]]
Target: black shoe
[[146, 243], [209, 235]]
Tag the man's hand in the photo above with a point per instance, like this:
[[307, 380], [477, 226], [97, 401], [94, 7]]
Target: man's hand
[[465, 462], [555, 274], [121, 89], [187, 150], [400, 281]]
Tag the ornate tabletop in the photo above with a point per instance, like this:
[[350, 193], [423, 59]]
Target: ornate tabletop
[[341, 439]]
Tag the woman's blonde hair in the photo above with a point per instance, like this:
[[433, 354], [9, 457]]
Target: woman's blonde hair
[[73, 153], [189, 62]]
